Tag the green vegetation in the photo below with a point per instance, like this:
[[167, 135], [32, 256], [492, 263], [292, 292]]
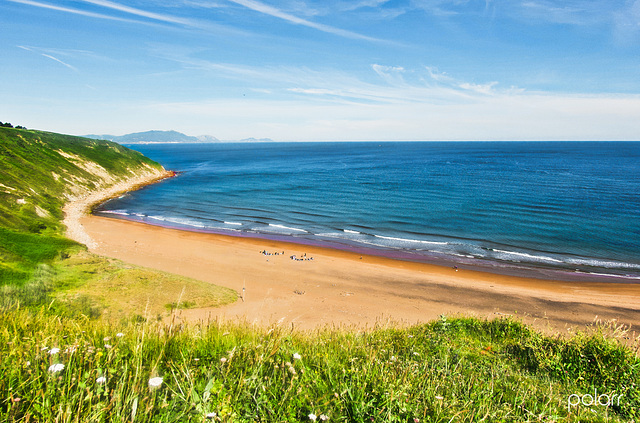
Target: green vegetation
[[39, 171], [124, 290], [462, 370], [59, 362]]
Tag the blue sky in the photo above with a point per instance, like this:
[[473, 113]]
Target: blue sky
[[302, 70]]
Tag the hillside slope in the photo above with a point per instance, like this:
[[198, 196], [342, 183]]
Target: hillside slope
[[39, 172]]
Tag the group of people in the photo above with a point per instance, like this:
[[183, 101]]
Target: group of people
[[266, 253], [303, 258], [293, 257]]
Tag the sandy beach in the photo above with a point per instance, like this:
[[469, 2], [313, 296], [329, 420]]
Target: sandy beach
[[343, 288], [328, 287]]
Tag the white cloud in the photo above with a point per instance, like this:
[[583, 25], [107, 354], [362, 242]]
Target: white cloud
[[142, 13], [272, 11], [391, 74], [49, 56], [73, 11], [479, 88], [533, 116], [60, 61]]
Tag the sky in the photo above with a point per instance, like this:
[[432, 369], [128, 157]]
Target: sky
[[324, 70]]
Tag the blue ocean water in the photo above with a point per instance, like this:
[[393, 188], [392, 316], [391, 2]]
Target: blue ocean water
[[543, 207]]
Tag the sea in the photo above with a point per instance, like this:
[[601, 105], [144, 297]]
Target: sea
[[554, 210]]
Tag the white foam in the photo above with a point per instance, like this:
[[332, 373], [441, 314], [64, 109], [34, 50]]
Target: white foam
[[529, 256], [233, 223], [391, 238], [603, 263], [118, 212], [609, 275], [286, 227], [348, 231]]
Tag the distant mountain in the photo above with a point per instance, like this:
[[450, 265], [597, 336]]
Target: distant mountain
[[100, 137], [256, 140], [207, 138], [150, 137]]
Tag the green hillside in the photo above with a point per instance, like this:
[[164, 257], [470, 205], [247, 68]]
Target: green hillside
[[39, 171]]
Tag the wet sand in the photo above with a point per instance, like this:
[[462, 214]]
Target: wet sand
[[340, 288]]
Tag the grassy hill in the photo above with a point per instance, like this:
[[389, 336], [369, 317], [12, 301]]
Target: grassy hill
[[39, 172]]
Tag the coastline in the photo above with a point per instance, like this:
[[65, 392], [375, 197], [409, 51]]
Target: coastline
[[338, 287], [517, 269], [343, 288], [78, 206]]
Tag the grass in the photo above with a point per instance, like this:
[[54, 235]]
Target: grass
[[22, 252], [462, 370], [122, 290], [84, 284]]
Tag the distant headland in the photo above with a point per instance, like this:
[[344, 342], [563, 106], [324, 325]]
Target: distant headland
[[174, 137]]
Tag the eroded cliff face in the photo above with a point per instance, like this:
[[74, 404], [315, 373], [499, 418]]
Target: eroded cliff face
[[81, 202]]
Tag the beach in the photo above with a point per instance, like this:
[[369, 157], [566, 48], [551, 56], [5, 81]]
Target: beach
[[328, 287], [338, 288]]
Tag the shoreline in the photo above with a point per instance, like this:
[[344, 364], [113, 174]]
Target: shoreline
[[342, 288], [338, 287], [434, 258], [77, 207]]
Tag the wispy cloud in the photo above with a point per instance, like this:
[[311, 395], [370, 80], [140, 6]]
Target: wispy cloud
[[60, 61], [391, 74], [49, 56], [142, 13], [152, 18], [70, 10], [277, 13]]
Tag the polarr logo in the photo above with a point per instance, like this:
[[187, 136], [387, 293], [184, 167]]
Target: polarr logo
[[588, 400]]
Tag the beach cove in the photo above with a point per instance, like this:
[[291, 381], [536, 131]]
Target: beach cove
[[339, 288], [332, 286]]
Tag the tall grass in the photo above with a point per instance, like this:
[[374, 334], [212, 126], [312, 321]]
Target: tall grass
[[463, 370]]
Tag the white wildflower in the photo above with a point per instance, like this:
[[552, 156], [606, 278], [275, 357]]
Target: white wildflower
[[211, 415], [296, 356], [155, 382], [107, 346], [53, 351], [223, 360], [438, 397], [312, 417], [107, 338], [101, 380], [324, 417], [55, 368], [119, 335]]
